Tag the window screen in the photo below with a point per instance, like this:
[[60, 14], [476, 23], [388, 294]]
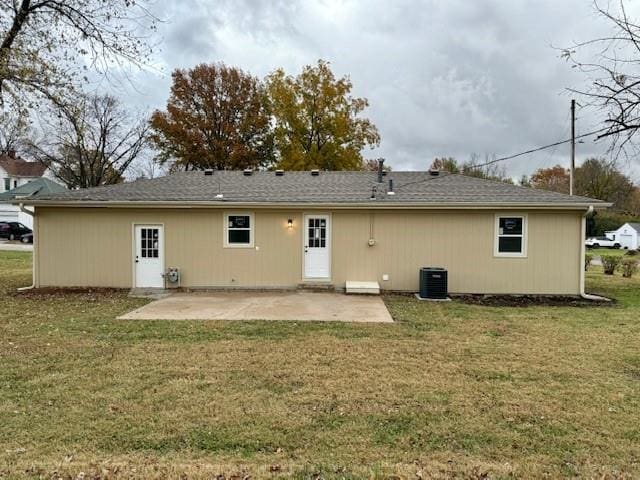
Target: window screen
[[239, 229], [510, 235]]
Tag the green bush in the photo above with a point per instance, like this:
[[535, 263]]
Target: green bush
[[610, 263], [587, 260], [632, 253], [628, 266]]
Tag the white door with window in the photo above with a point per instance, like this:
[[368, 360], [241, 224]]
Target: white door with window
[[317, 243], [149, 259]]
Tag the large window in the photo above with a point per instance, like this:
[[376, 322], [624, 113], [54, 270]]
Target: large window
[[238, 231], [511, 236]]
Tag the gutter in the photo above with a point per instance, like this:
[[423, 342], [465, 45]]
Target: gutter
[[320, 205], [583, 232], [33, 262]]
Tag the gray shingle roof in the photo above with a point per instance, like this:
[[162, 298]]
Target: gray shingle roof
[[326, 188], [635, 226]]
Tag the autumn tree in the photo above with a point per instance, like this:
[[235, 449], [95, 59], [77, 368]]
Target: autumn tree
[[90, 142], [15, 130], [216, 117], [48, 46], [554, 178], [474, 167], [317, 121], [601, 179]]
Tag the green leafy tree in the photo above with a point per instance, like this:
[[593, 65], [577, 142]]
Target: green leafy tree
[[216, 117], [317, 121]]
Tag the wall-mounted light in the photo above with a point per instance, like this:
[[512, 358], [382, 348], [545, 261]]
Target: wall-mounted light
[[290, 223]]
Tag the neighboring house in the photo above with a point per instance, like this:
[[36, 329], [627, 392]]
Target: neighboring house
[[16, 172], [628, 235], [12, 213], [234, 229]]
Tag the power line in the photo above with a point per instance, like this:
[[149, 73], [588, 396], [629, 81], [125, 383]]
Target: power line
[[537, 149]]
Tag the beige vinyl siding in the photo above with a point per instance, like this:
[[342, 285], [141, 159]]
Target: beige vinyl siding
[[462, 242], [93, 247]]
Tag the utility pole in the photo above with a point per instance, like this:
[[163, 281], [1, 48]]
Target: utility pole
[[573, 146]]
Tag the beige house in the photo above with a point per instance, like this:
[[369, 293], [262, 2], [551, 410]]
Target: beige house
[[228, 229]]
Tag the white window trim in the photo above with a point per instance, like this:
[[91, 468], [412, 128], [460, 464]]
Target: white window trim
[[525, 235], [252, 225]]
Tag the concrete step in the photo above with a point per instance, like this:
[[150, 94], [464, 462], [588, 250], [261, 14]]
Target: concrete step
[[367, 288], [316, 287]]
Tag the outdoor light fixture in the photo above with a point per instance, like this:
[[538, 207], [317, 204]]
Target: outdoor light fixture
[[289, 223]]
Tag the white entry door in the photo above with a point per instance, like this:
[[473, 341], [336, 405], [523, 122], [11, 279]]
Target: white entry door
[[149, 259], [317, 243]]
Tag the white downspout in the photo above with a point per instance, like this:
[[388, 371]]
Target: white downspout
[[33, 260], [583, 232]]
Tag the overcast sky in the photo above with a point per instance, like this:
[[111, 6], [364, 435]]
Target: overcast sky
[[443, 77]]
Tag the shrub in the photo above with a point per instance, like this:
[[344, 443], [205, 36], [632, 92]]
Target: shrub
[[632, 253], [610, 263], [587, 260], [628, 266]]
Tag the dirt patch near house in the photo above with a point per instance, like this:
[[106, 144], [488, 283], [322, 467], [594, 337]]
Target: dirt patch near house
[[49, 292], [532, 301]]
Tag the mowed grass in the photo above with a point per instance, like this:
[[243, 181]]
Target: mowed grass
[[450, 390], [598, 252]]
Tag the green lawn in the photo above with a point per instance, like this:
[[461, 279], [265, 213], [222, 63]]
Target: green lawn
[[598, 252], [450, 390]]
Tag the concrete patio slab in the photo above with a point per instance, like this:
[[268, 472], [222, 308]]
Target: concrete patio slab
[[300, 306]]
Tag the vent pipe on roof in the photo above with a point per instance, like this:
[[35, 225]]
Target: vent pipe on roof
[[390, 190], [315, 172], [380, 169], [248, 172], [434, 172], [279, 173], [208, 172]]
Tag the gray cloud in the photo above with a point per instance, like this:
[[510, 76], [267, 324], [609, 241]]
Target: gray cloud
[[443, 78]]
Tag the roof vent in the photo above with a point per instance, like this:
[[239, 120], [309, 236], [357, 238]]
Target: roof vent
[[434, 172], [208, 172], [247, 172], [279, 173], [315, 172], [390, 190]]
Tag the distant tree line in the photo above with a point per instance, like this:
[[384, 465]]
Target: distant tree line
[[595, 178]]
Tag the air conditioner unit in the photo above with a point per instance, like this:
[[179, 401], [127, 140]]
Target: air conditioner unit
[[433, 283]]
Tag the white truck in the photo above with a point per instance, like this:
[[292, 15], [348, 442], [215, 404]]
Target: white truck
[[601, 242]]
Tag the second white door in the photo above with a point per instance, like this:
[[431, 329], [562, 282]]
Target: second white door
[[317, 246]]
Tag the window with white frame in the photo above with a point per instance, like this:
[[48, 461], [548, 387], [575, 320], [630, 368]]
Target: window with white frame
[[238, 230], [511, 238]]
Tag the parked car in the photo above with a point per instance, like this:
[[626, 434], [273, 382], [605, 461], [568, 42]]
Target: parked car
[[13, 230], [27, 238], [601, 242]]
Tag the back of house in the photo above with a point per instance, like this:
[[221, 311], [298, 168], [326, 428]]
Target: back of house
[[265, 229]]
